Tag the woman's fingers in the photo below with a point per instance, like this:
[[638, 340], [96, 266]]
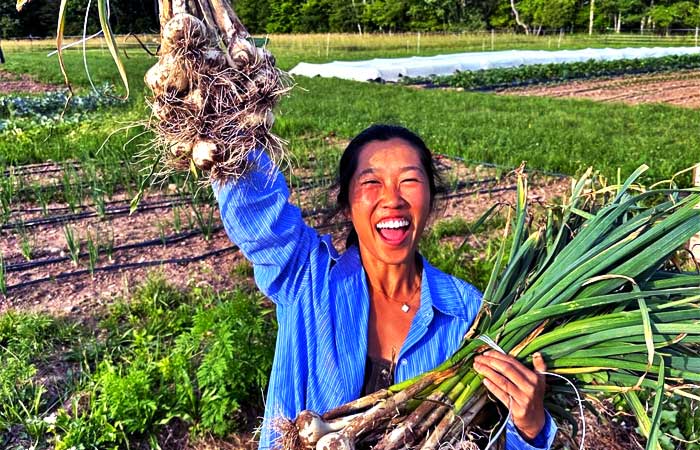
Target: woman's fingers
[[508, 373], [507, 365], [538, 363], [517, 387], [501, 394], [504, 378]]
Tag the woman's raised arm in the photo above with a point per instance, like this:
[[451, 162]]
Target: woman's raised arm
[[270, 231]]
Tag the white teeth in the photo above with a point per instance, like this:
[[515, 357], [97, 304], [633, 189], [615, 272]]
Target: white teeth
[[394, 223]]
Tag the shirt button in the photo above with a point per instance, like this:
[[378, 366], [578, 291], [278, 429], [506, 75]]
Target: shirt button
[[404, 362]]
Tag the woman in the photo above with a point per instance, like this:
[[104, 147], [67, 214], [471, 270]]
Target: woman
[[379, 313]]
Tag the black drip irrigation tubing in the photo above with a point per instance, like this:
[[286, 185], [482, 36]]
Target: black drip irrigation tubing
[[125, 266], [186, 235], [499, 166], [478, 191], [143, 244], [138, 265], [305, 184], [26, 190], [185, 199], [117, 211], [172, 239], [41, 168]]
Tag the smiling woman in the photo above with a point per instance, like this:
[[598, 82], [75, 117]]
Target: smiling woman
[[355, 323]]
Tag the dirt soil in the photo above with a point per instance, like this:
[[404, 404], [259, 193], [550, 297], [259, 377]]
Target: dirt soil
[[11, 83], [678, 88], [69, 289]]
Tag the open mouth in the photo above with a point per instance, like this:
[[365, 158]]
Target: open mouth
[[393, 231]]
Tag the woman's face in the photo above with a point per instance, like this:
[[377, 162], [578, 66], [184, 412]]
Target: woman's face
[[389, 200]]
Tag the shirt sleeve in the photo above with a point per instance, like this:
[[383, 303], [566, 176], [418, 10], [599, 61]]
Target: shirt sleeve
[[269, 230], [543, 441]]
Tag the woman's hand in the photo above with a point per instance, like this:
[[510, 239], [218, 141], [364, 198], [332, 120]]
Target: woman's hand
[[517, 387]]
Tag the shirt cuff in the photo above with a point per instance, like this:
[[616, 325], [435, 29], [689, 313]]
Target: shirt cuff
[[543, 441]]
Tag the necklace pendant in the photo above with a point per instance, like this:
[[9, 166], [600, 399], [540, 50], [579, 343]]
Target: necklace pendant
[[405, 308]]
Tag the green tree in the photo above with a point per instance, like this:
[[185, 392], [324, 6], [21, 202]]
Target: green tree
[[38, 18], [663, 16], [253, 13], [314, 16], [685, 14], [9, 26], [385, 15], [555, 14], [344, 16], [428, 15], [285, 16], [502, 16], [617, 14]]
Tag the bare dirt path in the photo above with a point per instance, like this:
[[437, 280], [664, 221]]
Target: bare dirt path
[[14, 83], [678, 88]]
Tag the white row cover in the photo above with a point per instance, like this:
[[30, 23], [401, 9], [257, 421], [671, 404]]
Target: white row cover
[[391, 69]]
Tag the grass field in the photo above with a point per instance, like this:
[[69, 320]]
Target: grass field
[[555, 135]]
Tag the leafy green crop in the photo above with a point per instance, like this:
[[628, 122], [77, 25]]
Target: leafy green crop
[[556, 72], [48, 108], [196, 357], [26, 344]]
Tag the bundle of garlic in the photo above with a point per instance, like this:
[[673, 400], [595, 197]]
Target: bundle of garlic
[[213, 89]]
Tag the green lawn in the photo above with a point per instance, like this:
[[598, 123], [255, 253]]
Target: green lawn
[[557, 135]]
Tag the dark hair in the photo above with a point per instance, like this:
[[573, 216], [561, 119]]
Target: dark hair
[[348, 164]]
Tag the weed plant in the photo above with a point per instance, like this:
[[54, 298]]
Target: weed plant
[[27, 343], [106, 245], [177, 220], [73, 243], [26, 244], [204, 210], [3, 278], [196, 357], [93, 249], [7, 195], [162, 355]]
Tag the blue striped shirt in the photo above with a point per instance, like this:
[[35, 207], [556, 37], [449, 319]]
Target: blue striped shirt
[[322, 302]]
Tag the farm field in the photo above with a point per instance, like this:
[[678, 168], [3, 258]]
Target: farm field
[[678, 89], [109, 319], [293, 48]]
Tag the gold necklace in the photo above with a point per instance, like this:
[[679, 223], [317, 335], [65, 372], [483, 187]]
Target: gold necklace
[[405, 306]]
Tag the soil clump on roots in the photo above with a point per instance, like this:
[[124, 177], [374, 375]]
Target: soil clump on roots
[[212, 107]]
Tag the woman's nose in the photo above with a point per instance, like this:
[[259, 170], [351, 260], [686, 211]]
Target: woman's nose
[[392, 197]]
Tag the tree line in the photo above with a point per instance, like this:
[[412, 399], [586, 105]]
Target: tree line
[[360, 16]]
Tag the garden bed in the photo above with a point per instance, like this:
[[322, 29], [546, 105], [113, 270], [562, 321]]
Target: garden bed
[[678, 89], [23, 83]]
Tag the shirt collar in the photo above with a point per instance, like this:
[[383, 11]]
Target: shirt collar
[[438, 289], [442, 291]]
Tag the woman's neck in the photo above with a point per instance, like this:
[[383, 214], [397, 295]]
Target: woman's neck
[[393, 280]]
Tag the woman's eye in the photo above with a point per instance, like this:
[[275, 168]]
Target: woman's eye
[[364, 182], [413, 180]]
